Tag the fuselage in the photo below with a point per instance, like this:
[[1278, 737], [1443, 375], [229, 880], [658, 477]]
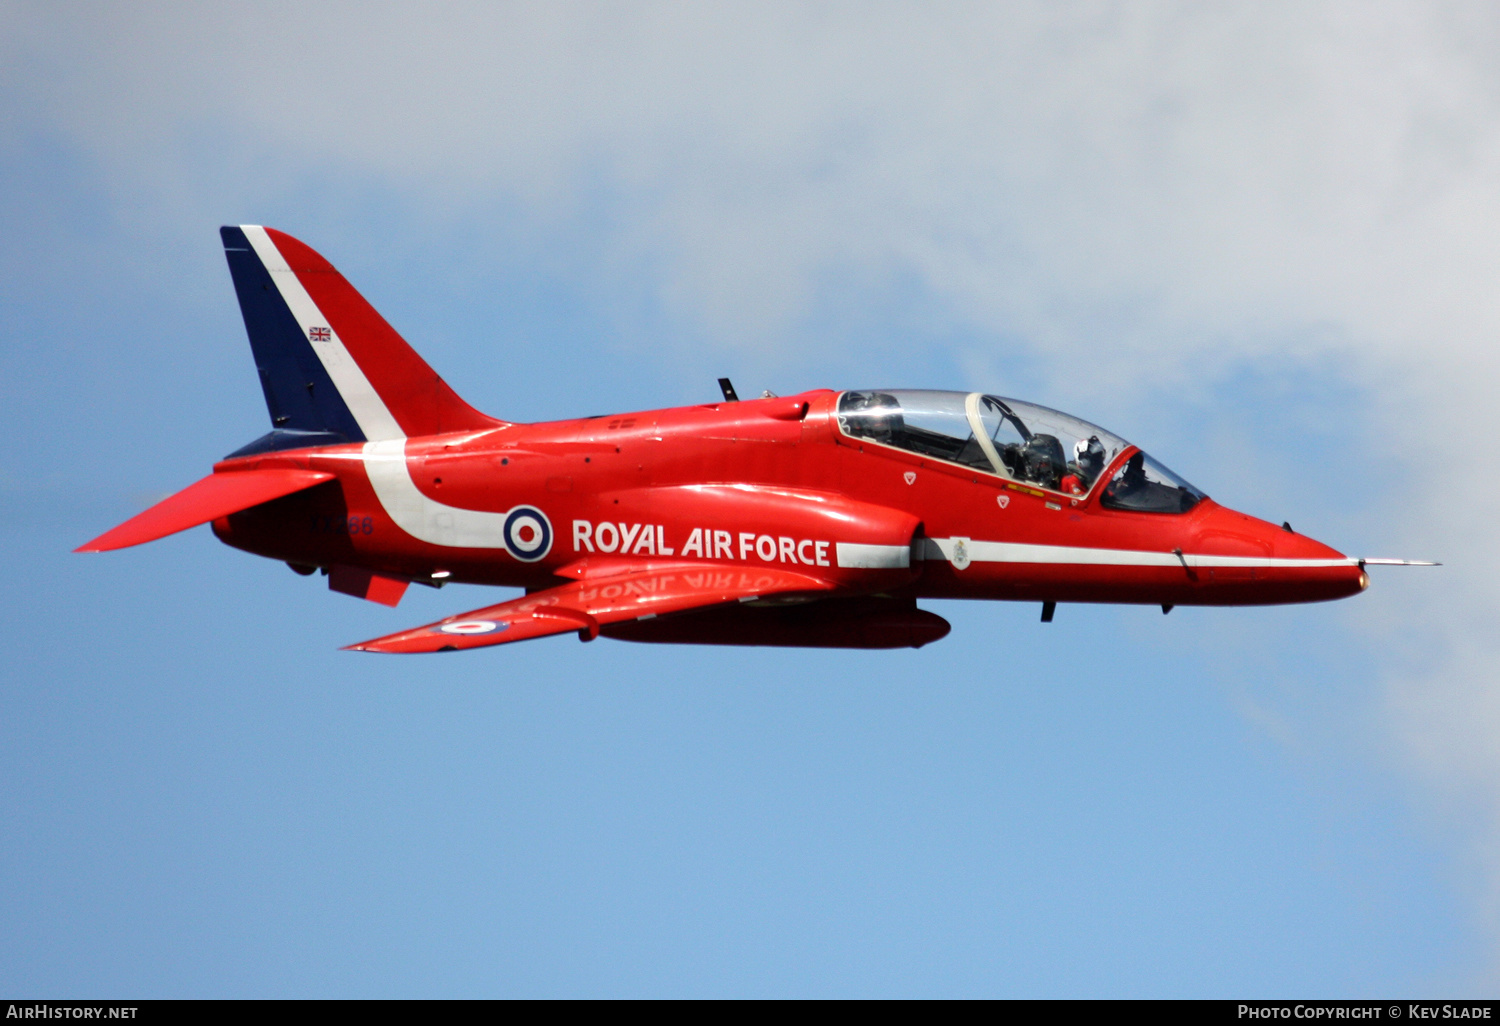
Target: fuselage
[[778, 482]]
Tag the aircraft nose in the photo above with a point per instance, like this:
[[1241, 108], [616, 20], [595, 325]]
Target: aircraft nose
[[1250, 560], [1228, 532]]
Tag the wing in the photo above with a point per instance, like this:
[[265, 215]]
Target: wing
[[585, 606], [217, 495]]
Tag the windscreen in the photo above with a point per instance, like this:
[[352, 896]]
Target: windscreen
[[1145, 486]]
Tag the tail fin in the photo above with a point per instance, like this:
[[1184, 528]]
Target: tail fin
[[332, 369]]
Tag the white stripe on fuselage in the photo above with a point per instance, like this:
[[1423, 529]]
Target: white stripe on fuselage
[[426, 519], [851, 556], [354, 388], [1017, 552]]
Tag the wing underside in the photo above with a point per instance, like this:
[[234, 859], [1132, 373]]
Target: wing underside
[[586, 606]]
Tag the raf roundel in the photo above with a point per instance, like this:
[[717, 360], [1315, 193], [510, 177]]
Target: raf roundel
[[528, 533], [472, 627]]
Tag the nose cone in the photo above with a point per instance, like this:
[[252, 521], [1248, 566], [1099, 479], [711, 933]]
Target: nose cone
[[1242, 560]]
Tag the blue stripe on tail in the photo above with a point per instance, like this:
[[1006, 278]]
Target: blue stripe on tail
[[305, 407]]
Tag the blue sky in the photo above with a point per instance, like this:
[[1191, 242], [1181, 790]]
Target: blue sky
[[1258, 240]]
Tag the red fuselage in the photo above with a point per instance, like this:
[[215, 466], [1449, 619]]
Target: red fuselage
[[759, 484]]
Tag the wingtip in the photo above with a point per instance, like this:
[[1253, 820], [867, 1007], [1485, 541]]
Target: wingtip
[[363, 646], [393, 646]]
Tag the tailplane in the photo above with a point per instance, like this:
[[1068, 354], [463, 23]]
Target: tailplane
[[331, 368], [217, 495]]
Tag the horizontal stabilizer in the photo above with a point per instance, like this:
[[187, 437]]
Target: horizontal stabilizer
[[585, 606], [217, 495], [1372, 561]]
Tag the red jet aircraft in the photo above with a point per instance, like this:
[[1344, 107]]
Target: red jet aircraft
[[812, 520]]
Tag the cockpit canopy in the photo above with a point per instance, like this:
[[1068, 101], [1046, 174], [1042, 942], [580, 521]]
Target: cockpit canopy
[[1016, 440]]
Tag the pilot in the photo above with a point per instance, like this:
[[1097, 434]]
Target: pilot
[[1088, 461], [1089, 457]]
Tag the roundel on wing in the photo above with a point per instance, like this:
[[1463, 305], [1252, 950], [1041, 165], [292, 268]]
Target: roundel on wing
[[473, 627], [528, 533]]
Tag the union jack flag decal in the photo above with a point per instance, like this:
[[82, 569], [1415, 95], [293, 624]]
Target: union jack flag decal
[[319, 334]]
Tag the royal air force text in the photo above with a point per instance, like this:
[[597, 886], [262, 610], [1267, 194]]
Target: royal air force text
[[703, 542]]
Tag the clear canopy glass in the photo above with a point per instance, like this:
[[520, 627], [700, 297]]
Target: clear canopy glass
[[1017, 440], [1146, 486]]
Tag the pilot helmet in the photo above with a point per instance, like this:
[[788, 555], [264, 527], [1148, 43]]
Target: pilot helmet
[[1089, 454]]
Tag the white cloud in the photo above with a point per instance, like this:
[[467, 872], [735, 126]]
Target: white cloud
[[1208, 168], [1208, 183]]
